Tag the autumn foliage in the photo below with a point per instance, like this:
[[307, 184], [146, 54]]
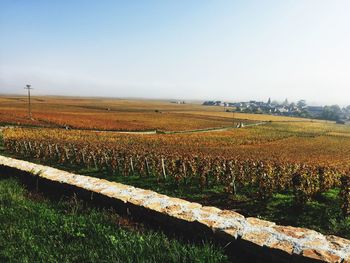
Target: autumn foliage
[[264, 159]]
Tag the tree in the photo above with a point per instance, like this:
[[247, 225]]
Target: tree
[[301, 104], [331, 113], [348, 109]]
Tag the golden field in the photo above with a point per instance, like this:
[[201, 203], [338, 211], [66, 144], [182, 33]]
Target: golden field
[[111, 114], [123, 114]]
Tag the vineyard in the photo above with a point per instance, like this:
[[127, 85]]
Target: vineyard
[[123, 115], [304, 159], [109, 114]]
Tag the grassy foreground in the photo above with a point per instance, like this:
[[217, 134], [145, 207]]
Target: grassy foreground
[[35, 229]]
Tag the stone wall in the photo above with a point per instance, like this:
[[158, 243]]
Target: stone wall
[[253, 238]]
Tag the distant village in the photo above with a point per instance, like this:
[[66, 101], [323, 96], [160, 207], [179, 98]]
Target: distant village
[[299, 109]]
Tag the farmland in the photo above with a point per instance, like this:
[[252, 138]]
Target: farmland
[[123, 115], [293, 171], [109, 114]]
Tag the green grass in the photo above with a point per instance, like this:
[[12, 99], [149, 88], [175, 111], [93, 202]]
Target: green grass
[[36, 229], [322, 214]]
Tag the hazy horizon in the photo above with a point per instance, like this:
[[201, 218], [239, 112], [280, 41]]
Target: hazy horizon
[[188, 50]]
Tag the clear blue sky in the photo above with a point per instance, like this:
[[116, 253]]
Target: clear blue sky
[[186, 49]]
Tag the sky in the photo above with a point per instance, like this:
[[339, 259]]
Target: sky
[[181, 49]]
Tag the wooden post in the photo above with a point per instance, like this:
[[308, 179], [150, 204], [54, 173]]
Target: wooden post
[[185, 172], [57, 152], [147, 167], [163, 169], [50, 150], [94, 159], [26, 147], [132, 166], [118, 166], [83, 157], [125, 166], [233, 182], [67, 156]]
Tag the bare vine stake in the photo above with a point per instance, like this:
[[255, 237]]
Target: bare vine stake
[[147, 167], [83, 157], [185, 172], [50, 150], [163, 167], [75, 155], [106, 160], [132, 166], [57, 151], [118, 166], [94, 159], [233, 182], [39, 150], [24, 150], [66, 151], [25, 146], [125, 167]]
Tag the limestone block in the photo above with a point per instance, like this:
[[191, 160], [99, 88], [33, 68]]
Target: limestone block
[[256, 222], [259, 238], [322, 255], [284, 245]]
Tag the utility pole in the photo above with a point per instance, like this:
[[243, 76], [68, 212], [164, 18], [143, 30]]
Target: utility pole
[[28, 87]]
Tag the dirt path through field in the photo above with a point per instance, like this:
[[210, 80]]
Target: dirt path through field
[[153, 131], [217, 129]]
